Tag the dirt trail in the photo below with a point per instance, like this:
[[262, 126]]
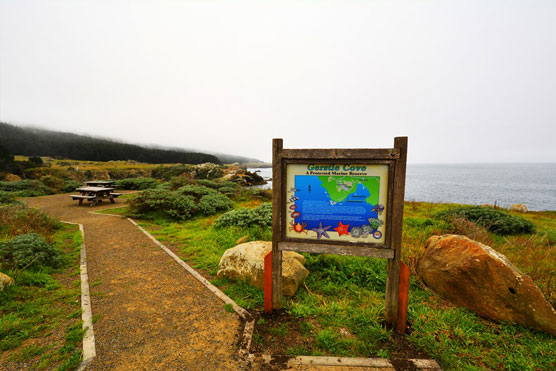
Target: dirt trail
[[151, 314]]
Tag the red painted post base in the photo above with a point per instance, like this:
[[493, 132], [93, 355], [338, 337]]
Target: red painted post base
[[401, 321], [268, 282]]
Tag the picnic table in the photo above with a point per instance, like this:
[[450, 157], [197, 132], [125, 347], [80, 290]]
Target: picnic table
[[95, 195], [100, 183]]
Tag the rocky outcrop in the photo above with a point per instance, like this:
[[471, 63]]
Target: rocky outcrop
[[475, 276], [521, 208], [5, 281], [246, 262], [244, 178], [207, 170]]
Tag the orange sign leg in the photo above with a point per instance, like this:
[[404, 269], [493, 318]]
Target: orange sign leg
[[268, 282], [401, 322]]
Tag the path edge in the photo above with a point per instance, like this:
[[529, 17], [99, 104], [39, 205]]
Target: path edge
[[89, 348]]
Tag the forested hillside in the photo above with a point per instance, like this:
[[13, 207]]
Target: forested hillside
[[38, 142]]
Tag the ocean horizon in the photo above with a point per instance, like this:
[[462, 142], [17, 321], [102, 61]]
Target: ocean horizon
[[532, 184]]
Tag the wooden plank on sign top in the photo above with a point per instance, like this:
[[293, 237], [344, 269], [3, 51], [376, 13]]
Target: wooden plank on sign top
[[341, 153], [370, 252]]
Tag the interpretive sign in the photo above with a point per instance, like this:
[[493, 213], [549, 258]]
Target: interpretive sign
[[339, 201]]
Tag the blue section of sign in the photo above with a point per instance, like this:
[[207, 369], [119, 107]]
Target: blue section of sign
[[314, 205]]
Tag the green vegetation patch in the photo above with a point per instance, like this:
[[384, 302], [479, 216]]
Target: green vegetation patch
[[26, 188], [19, 219], [494, 220], [245, 217], [40, 326], [181, 204], [29, 251], [136, 183]]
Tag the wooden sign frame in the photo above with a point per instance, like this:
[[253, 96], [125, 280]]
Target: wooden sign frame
[[395, 158]]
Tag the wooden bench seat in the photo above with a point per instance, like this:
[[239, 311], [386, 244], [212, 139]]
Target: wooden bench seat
[[82, 197], [115, 194]]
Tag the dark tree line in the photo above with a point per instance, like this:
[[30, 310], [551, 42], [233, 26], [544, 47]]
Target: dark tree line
[[38, 142]]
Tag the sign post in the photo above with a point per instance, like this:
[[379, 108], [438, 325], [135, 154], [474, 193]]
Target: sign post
[[339, 201]]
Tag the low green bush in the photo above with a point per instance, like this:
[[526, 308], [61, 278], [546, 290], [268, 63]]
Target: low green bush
[[30, 251], [7, 198], [228, 191], [164, 202], [26, 188], [196, 190], [52, 182], [244, 217], [19, 219], [180, 204], [261, 194], [213, 203], [494, 220], [136, 183], [180, 181], [208, 183], [70, 186], [168, 172]]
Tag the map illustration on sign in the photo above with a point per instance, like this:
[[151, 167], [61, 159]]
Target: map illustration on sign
[[336, 202]]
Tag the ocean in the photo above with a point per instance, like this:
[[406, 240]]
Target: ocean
[[531, 184]]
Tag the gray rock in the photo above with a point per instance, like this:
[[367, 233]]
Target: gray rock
[[246, 262]]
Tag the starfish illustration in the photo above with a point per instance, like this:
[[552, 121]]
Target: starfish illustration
[[342, 229], [321, 231]]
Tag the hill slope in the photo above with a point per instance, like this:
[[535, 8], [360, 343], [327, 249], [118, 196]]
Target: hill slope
[[39, 142]]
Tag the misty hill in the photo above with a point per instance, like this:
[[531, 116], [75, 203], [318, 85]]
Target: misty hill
[[38, 142]]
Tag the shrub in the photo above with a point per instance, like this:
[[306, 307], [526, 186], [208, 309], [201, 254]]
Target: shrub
[[167, 172], [228, 191], [29, 251], [35, 161], [7, 198], [182, 204], [26, 188], [212, 203], [197, 191], [244, 217], [261, 194], [70, 186], [136, 183], [494, 220], [18, 219], [208, 183], [180, 181], [163, 202], [52, 182]]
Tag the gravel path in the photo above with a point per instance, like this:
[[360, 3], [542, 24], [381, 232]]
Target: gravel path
[[151, 314]]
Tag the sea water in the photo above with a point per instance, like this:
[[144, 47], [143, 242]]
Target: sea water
[[531, 184]]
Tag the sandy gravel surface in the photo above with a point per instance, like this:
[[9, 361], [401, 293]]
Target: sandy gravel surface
[[151, 314]]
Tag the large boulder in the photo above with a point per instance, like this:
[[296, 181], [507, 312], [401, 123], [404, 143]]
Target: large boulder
[[475, 276], [246, 262], [5, 281]]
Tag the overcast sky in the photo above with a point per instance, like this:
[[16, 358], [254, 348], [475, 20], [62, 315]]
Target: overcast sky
[[467, 81]]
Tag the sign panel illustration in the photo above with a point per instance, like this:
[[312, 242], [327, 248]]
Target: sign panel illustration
[[337, 202]]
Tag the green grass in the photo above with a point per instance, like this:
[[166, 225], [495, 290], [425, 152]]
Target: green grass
[[38, 304], [342, 312], [117, 210]]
